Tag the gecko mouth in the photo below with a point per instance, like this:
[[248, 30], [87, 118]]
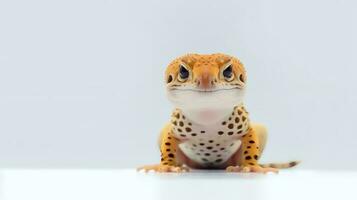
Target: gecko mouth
[[196, 98], [203, 90]]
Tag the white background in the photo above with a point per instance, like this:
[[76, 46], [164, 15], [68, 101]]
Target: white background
[[81, 82], [111, 184]]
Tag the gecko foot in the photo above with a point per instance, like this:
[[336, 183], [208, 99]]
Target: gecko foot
[[255, 169], [163, 168]]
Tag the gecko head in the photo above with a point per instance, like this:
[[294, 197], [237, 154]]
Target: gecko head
[[205, 82]]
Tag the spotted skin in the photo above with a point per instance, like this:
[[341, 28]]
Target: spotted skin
[[250, 149], [210, 128], [210, 146], [168, 148]]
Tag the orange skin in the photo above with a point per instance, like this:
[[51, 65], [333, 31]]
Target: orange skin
[[205, 69]]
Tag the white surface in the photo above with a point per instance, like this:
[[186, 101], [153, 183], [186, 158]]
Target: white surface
[[81, 81], [128, 184]]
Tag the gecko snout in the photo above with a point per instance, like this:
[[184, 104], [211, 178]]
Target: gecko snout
[[205, 81]]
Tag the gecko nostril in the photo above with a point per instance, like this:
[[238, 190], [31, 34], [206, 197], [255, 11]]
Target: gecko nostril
[[198, 83]]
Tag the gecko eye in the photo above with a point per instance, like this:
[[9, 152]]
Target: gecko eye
[[183, 73], [228, 73]]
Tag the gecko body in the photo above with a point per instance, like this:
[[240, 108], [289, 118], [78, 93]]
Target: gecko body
[[210, 127]]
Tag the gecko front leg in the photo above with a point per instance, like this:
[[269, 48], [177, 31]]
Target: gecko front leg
[[168, 148], [249, 154]]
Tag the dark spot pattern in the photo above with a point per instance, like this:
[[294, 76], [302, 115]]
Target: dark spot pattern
[[210, 148], [248, 157]]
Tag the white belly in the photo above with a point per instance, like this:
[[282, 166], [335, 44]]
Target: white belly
[[210, 151], [209, 148], [210, 144]]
